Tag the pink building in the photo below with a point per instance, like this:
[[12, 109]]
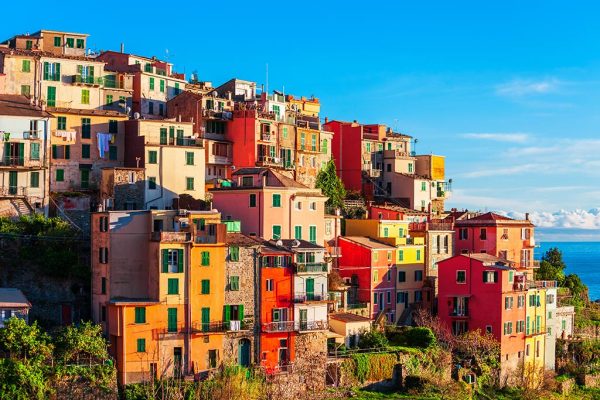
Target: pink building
[[272, 206]]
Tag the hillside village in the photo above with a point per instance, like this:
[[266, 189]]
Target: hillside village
[[213, 226]]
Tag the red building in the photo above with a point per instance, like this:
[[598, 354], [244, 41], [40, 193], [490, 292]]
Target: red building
[[394, 212], [497, 235], [368, 265], [276, 308], [480, 291]]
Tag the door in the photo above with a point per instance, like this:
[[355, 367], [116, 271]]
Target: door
[[51, 96], [12, 182], [244, 352], [303, 320], [177, 362], [381, 303], [85, 178], [283, 356], [310, 289]]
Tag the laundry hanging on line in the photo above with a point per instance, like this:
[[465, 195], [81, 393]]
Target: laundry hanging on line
[[103, 142]]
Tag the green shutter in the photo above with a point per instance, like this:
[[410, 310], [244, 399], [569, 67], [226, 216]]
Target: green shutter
[[165, 260], [226, 313], [172, 320], [173, 286], [205, 258], [141, 345], [180, 260], [205, 286], [313, 234], [46, 71], [205, 318], [56, 72], [241, 312]]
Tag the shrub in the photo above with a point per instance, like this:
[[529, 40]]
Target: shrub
[[373, 340]]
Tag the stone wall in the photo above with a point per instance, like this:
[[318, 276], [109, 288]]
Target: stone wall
[[126, 191]]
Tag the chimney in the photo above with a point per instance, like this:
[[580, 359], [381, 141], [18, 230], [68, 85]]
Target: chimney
[[326, 120], [122, 47], [527, 216], [179, 118]]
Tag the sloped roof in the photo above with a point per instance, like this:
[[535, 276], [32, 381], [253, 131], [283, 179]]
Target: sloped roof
[[241, 240], [20, 106], [11, 297], [368, 242], [349, 317]]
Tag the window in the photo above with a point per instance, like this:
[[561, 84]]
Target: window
[[423, 186], [276, 200], [85, 96], [60, 175], [375, 276], [313, 143], [205, 286], [375, 256], [151, 183], [389, 256], [401, 276], [52, 72], [234, 283], [109, 99], [418, 255], [26, 66], [563, 324], [61, 123], [521, 301], [488, 329], [520, 327], [57, 41], [269, 285], [86, 125], [205, 258], [313, 206], [418, 296], [298, 205], [85, 151], [173, 286], [163, 135], [508, 328], [34, 179], [79, 43], [140, 315], [172, 260], [400, 255], [324, 146], [151, 83], [410, 168], [25, 90], [189, 158], [386, 232], [152, 157], [103, 255], [302, 141], [276, 230], [177, 91], [112, 152], [189, 183], [375, 298], [162, 85], [482, 234], [508, 303], [151, 108], [490, 276], [461, 276], [172, 320], [312, 234], [389, 297], [298, 232], [113, 126], [141, 345], [389, 275], [252, 200], [234, 253], [28, 45], [463, 234], [418, 276], [103, 285]]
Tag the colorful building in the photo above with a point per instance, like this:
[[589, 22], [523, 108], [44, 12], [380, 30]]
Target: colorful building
[[173, 159], [24, 164], [271, 205]]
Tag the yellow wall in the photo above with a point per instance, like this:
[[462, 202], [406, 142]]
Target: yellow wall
[[535, 361], [438, 168]]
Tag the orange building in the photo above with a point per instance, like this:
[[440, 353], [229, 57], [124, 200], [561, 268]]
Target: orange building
[[157, 289], [500, 236]]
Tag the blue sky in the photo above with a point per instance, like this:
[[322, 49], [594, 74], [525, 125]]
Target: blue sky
[[508, 91]]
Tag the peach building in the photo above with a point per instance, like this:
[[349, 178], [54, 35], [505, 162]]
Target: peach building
[[271, 205]]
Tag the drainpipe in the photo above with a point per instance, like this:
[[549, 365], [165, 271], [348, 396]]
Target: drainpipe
[[188, 309]]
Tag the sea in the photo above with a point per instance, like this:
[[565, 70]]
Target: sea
[[581, 258]]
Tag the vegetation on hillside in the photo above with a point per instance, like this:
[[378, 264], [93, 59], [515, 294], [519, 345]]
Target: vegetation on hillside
[[331, 186]]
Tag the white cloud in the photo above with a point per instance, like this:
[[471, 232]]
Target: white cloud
[[514, 170], [522, 87], [569, 219], [499, 137]]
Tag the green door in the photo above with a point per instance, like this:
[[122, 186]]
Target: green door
[[205, 319], [51, 97], [303, 320], [12, 182], [172, 320], [310, 289], [244, 353]]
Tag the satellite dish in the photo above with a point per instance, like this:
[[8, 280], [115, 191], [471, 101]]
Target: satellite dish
[[296, 243], [279, 243], [136, 115]]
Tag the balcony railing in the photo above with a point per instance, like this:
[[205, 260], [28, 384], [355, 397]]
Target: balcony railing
[[311, 326], [269, 161], [172, 237], [189, 142], [20, 162], [310, 267], [356, 306], [13, 191], [31, 135], [458, 313], [86, 80], [308, 297], [221, 326], [282, 326]]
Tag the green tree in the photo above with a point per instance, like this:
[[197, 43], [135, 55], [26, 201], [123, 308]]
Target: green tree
[[552, 266], [373, 340], [331, 186], [83, 340], [25, 342]]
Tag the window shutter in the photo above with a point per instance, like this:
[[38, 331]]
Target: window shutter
[[57, 72], [46, 70], [79, 69], [241, 312], [180, 260], [67, 152], [165, 260], [495, 276], [91, 71], [54, 152], [226, 313], [484, 277]]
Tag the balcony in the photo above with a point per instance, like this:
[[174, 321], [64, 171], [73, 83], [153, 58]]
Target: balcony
[[189, 142], [311, 268], [396, 154], [372, 172], [221, 114], [13, 162], [266, 137], [86, 80], [310, 297], [303, 326], [314, 125], [31, 135], [282, 326], [265, 161], [528, 264], [529, 242], [221, 326], [171, 237], [13, 191], [459, 313]]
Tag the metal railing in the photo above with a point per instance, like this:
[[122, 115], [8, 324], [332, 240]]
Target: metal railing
[[86, 80], [31, 135], [311, 325], [310, 267], [269, 161], [20, 162], [307, 297], [164, 236], [13, 191], [281, 326]]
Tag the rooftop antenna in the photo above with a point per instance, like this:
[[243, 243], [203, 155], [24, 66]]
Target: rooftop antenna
[[267, 78]]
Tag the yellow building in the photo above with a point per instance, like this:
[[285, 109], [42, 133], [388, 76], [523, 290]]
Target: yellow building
[[535, 335]]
